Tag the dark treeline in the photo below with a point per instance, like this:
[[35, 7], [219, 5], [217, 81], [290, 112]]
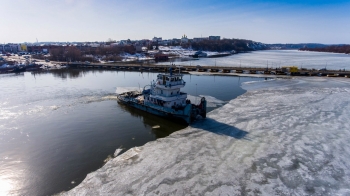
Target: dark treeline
[[72, 53], [337, 49], [237, 45]]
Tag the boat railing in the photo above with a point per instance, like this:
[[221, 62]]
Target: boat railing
[[171, 83], [170, 97]]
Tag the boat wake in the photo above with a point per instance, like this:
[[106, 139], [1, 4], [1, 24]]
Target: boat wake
[[44, 107]]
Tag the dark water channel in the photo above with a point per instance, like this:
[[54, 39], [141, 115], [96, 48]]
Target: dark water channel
[[58, 126]]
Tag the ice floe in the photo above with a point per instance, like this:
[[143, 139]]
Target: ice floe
[[282, 137], [211, 101], [117, 152]]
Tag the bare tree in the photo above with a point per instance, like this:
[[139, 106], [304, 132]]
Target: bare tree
[[73, 54]]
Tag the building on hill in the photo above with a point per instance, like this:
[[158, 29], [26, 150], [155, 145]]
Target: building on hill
[[214, 37], [199, 39], [9, 48], [42, 48], [2, 48], [175, 41], [184, 39], [23, 47], [157, 39]]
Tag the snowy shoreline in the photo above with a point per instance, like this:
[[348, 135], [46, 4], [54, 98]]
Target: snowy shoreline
[[242, 75], [282, 137]]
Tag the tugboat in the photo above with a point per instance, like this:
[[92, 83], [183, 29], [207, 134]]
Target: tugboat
[[163, 98]]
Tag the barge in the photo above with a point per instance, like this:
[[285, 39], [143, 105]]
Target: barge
[[164, 98]]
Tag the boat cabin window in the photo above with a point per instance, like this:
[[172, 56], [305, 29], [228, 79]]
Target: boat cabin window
[[167, 78]]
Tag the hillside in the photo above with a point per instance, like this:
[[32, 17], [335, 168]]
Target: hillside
[[238, 45], [335, 48]]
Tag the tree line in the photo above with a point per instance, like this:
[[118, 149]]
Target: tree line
[[336, 49], [73, 53], [112, 53], [238, 45]]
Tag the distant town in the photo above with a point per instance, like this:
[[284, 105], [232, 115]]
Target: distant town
[[140, 45], [112, 50], [157, 49], [210, 43]]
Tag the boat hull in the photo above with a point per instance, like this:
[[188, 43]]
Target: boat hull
[[186, 114], [163, 98], [183, 116]]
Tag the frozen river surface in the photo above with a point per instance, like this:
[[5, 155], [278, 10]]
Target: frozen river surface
[[277, 58], [282, 137]]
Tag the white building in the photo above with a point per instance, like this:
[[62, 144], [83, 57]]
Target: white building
[[94, 45], [184, 39]]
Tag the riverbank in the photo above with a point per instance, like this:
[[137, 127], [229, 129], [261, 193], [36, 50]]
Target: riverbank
[[285, 136]]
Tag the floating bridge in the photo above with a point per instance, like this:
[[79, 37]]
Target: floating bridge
[[127, 66]]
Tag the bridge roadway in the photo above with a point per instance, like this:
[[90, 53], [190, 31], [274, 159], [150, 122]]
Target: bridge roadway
[[132, 66]]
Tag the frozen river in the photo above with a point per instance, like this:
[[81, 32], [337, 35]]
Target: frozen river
[[57, 126], [282, 137], [277, 58]]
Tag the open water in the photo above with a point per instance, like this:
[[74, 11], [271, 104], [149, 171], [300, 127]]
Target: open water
[[58, 126]]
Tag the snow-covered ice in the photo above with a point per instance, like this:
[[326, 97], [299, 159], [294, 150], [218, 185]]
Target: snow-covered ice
[[282, 137], [211, 101]]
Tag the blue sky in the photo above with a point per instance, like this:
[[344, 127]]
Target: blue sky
[[267, 21]]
